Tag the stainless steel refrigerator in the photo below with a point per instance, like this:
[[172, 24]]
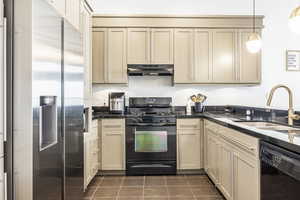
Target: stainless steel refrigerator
[[48, 81]]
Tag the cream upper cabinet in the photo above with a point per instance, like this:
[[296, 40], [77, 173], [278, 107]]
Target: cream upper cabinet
[[150, 46], [116, 58], [162, 46], [189, 144], [224, 56], [203, 55], [138, 46], [183, 56], [246, 168], [99, 52], [109, 55], [113, 144], [250, 63], [87, 51], [73, 12]]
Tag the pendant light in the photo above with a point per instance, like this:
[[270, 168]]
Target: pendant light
[[254, 41], [294, 20]]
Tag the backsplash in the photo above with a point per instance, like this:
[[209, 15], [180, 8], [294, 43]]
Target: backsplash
[[162, 87]]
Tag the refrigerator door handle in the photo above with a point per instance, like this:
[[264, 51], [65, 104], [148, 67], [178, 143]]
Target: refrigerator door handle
[[47, 122], [4, 81]]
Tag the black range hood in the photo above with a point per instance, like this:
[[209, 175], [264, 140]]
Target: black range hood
[[150, 70]]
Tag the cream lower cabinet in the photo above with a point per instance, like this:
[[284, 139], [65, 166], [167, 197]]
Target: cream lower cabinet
[[232, 162], [113, 144], [91, 153], [110, 55], [246, 168], [189, 144], [212, 157], [150, 46]]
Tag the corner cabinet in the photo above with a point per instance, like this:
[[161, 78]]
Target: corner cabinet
[[150, 46], [110, 55], [189, 144], [232, 162]]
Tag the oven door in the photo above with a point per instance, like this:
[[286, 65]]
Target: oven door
[[150, 142]]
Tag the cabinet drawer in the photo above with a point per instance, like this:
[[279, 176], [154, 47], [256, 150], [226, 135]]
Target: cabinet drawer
[[240, 140], [188, 124], [211, 126], [113, 124]]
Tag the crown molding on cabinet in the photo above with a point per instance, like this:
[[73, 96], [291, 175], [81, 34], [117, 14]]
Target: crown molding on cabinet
[[177, 21]]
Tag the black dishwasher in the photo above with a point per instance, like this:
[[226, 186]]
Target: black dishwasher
[[280, 173]]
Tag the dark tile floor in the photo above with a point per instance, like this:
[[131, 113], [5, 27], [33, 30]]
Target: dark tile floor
[[192, 187]]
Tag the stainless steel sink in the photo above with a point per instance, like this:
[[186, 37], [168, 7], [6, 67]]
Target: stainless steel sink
[[269, 126]]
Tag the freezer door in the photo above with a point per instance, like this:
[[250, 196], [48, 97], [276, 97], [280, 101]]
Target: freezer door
[[73, 112], [47, 102]]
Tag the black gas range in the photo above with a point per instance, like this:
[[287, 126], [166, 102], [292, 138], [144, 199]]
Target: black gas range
[[150, 137]]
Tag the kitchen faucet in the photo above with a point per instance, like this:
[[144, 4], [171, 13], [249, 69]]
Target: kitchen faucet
[[291, 113]]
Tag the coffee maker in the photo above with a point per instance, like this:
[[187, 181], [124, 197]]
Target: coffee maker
[[116, 102]]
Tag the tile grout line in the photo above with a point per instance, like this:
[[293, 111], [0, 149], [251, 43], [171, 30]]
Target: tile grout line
[[144, 183], [121, 185], [94, 193]]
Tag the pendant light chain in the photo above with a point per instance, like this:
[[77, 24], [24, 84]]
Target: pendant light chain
[[254, 16]]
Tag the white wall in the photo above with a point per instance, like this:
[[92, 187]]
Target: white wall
[[277, 38]]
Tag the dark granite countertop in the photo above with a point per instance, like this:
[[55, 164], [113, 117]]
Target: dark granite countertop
[[230, 119]]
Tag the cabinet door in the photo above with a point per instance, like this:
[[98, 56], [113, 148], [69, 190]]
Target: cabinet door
[[224, 56], [189, 149], [212, 159], [86, 32], [138, 46], [162, 46], [250, 63], [87, 159], [73, 12], [183, 56], [226, 170], [116, 58], [203, 55], [113, 150], [246, 177], [99, 53]]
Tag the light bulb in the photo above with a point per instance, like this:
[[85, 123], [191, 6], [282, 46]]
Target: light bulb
[[254, 43], [294, 20]]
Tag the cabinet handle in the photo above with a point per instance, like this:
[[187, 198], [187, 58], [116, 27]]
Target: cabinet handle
[[109, 134], [188, 126], [244, 146], [187, 133], [112, 126]]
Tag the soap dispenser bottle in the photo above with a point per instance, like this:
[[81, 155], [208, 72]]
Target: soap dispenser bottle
[[188, 107]]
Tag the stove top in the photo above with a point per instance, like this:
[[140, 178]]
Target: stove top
[[151, 110]]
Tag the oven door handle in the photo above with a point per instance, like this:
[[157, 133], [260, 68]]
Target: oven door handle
[[151, 124]]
